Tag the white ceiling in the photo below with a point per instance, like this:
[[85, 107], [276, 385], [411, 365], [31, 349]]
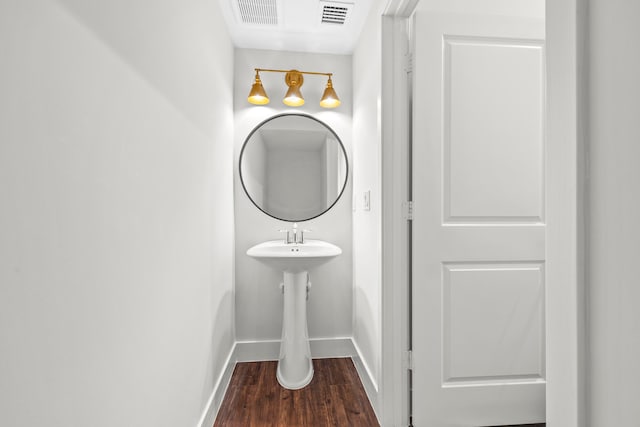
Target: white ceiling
[[295, 25]]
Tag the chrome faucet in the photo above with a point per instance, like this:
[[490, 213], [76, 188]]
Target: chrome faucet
[[292, 235]]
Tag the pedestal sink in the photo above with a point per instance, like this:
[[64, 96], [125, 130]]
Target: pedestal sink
[[295, 369]]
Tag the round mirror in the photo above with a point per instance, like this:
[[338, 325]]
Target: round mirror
[[293, 167]]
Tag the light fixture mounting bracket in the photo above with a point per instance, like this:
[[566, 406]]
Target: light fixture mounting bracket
[[294, 78]]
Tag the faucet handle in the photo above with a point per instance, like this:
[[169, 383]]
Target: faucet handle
[[302, 234], [287, 238]]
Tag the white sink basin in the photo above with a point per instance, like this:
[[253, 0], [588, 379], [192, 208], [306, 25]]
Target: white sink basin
[[294, 258]]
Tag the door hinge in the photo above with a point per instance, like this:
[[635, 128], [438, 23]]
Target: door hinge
[[408, 62], [409, 360], [408, 210]]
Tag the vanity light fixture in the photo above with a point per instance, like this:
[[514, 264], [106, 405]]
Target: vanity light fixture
[[294, 80]]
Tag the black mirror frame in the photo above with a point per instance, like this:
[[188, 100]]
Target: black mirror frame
[[344, 153]]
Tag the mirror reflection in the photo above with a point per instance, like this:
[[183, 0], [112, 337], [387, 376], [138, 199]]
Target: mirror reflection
[[293, 167]]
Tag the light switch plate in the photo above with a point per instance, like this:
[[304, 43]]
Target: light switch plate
[[367, 200]]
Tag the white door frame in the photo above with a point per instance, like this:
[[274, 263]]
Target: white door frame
[[565, 160], [394, 386], [565, 305]]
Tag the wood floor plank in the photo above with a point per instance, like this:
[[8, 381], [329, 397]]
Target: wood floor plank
[[524, 425], [335, 397]]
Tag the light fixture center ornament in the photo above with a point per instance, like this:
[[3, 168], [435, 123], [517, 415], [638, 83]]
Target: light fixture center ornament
[[293, 98]]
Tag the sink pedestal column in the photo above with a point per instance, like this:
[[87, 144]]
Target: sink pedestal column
[[295, 368]]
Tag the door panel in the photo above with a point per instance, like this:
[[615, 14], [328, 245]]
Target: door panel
[[478, 229], [491, 111], [490, 309]]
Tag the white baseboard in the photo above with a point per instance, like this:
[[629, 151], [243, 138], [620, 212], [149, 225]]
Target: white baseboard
[[215, 400], [321, 348], [332, 347], [369, 383], [255, 351]]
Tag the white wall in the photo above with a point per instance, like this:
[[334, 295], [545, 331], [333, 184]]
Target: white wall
[[367, 237], [116, 255], [614, 210], [258, 298]]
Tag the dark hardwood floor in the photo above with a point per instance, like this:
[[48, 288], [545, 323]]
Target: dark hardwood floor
[[526, 425], [335, 397]]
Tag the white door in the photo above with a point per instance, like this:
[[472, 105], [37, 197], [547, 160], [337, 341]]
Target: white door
[[479, 220]]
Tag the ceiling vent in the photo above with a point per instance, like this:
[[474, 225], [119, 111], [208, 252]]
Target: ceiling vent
[[261, 12], [335, 12]]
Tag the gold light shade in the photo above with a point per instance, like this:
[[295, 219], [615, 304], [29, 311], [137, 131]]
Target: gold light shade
[[329, 97], [293, 98], [257, 95], [294, 80]]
